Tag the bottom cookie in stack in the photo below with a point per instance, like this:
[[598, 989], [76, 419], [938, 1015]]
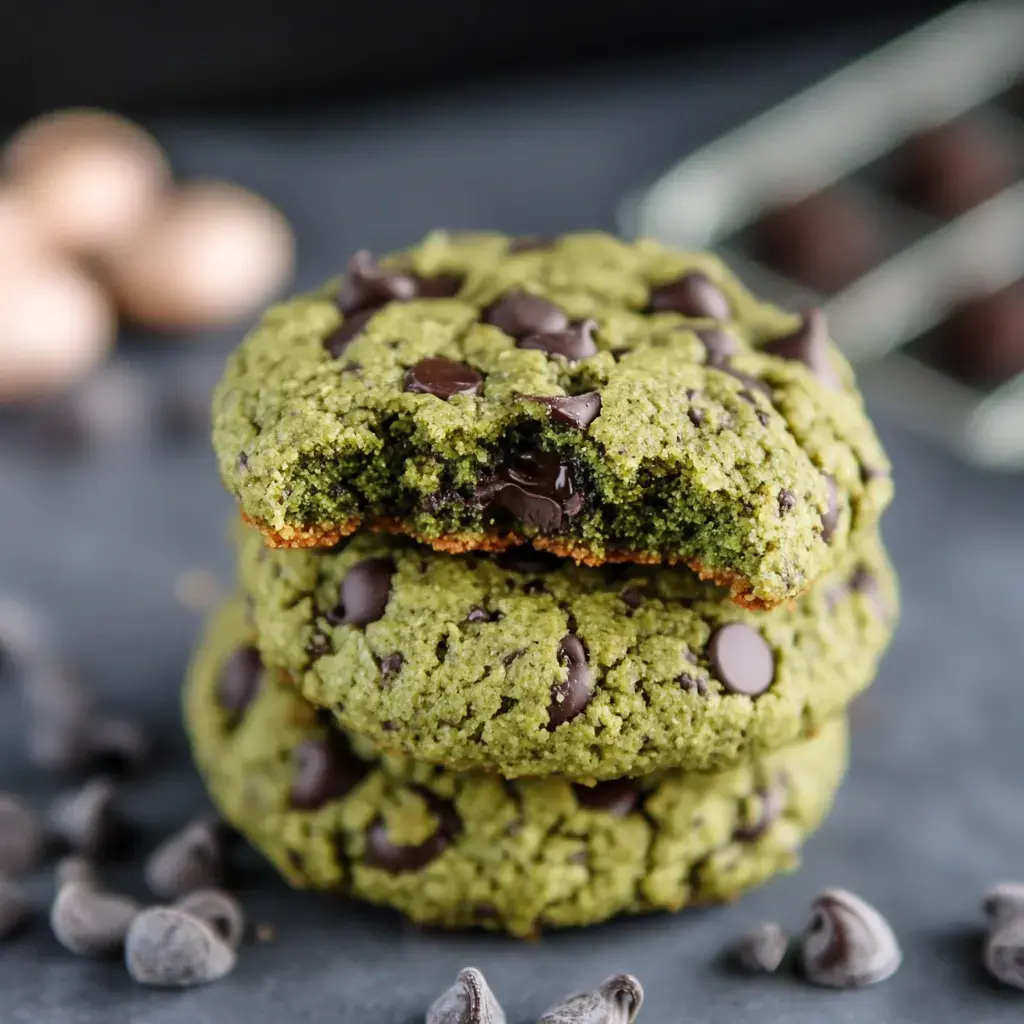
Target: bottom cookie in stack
[[462, 849]]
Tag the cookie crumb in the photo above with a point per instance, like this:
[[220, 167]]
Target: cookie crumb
[[265, 932]]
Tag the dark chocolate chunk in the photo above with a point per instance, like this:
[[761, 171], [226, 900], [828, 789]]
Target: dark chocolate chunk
[[808, 344], [951, 168], [364, 592], [191, 859], [720, 345], [350, 329], [696, 416], [830, 518], [22, 841], [367, 286], [572, 343], [529, 243], [741, 659], [440, 286], [577, 411], [570, 696], [520, 314], [864, 582], [770, 804], [826, 241], [752, 383], [390, 664], [478, 614], [243, 460], [631, 598], [847, 944], [169, 948], [442, 378], [325, 769], [88, 922], [538, 489], [382, 853], [692, 295], [983, 341], [527, 559], [239, 681], [616, 797], [787, 501]]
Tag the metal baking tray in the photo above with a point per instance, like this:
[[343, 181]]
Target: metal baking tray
[[969, 61]]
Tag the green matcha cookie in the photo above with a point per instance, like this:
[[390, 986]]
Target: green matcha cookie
[[602, 400], [527, 664], [471, 849]]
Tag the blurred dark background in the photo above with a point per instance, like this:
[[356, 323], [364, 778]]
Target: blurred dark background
[[142, 56]]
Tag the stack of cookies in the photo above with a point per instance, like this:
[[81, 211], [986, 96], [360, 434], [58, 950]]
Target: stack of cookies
[[560, 568]]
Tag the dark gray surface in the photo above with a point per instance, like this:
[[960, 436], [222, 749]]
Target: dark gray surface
[[931, 813]]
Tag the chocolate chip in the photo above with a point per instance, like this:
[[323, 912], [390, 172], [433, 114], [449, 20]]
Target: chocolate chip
[[808, 344], [382, 853], [864, 582], [751, 382], [519, 314], [983, 340], [787, 501], [770, 804], [1002, 901], [75, 868], [243, 461], [367, 286], [220, 910], [762, 950], [527, 559], [22, 841], [951, 168], [692, 295], [87, 819], [116, 745], [188, 860], [442, 378], [741, 659], [440, 286], [325, 769], [848, 943], [631, 598], [89, 922], [529, 243], [830, 517], [168, 948], [572, 343], [691, 683], [570, 696], [319, 645], [577, 411], [390, 664], [616, 797], [538, 489], [616, 1001], [239, 681], [350, 329], [469, 1001], [719, 344], [14, 907], [696, 416], [1004, 953], [825, 241], [364, 592], [478, 614]]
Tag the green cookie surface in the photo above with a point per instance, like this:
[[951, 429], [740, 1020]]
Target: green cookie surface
[[526, 664], [600, 399], [469, 849]]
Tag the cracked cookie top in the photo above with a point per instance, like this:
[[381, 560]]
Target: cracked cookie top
[[603, 400], [527, 664]]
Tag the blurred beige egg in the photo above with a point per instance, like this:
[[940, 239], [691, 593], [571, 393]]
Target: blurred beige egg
[[213, 253], [90, 178], [55, 324]]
